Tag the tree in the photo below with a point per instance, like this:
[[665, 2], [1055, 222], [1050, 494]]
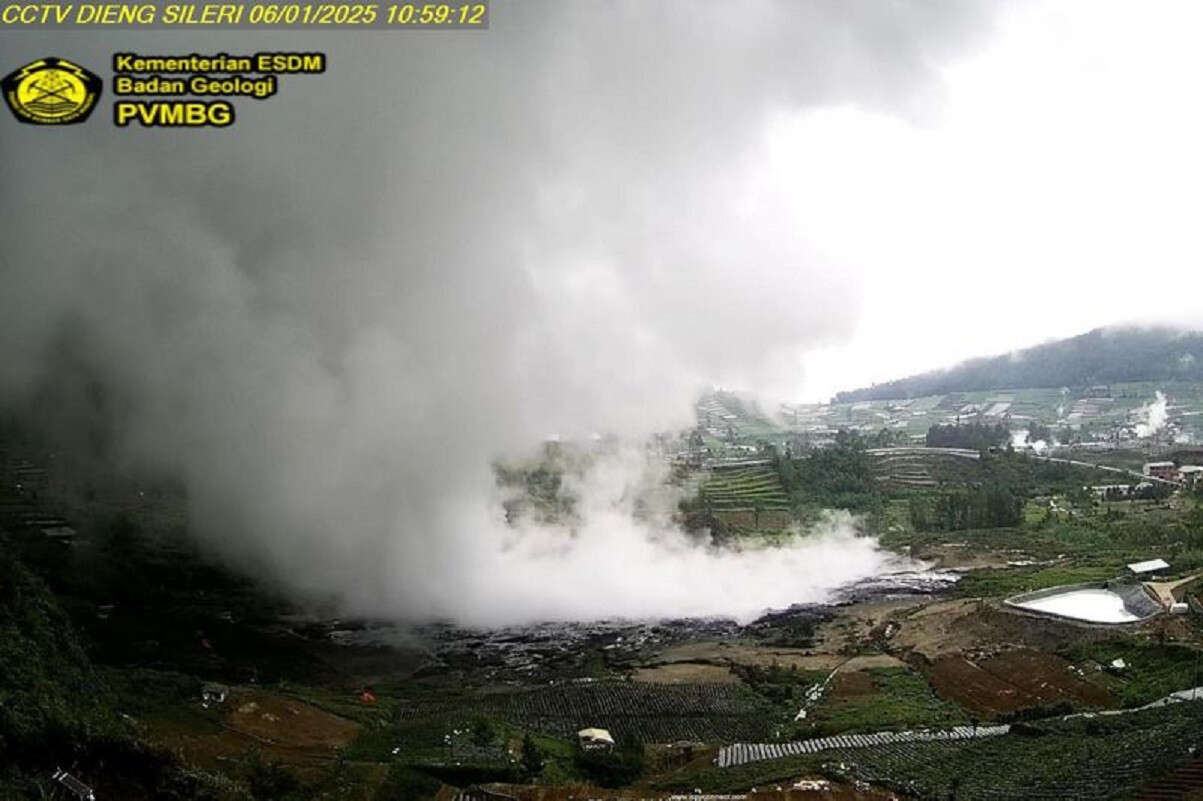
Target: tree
[[1037, 431], [616, 768], [975, 435], [482, 732], [532, 757]]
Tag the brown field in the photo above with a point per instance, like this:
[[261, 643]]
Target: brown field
[[1010, 681], [685, 673], [851, 683], [1046, 677], [969, 624], [283, 729]]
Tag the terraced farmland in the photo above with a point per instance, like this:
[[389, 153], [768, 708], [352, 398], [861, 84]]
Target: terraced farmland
[[745, 488], [748, 498], [920, 468]]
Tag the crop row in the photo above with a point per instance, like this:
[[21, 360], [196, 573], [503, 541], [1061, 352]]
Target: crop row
[[649, 712]]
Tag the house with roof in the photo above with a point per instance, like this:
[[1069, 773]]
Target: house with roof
[[592, 739], [1148, 569]]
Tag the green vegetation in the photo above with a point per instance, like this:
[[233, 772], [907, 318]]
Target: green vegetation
[[840, 477], [1152, 671], [991, 506], [895, 698], [876, 699], [537, 489], [51, 699], [56, 708], [973, 435], [996, 583], [612, 768]]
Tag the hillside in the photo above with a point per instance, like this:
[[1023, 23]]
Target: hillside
[[1102, 356]]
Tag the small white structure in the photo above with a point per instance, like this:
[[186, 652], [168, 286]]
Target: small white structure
[[214, 694], [1179, 608], [1190, 473], [1148, 567], [595, 739], [74, 786]]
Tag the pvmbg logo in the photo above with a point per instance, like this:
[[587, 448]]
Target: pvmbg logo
[[51, 91]]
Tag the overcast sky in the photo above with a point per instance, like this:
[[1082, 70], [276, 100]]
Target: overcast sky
[[1058, 188]]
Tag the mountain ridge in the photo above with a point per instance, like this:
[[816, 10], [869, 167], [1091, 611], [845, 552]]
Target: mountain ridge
[[1100, 356]]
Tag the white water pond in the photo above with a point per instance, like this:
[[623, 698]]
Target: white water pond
[[1092, 605]]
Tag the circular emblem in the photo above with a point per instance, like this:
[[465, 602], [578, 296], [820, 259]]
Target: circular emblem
[[51, 91]]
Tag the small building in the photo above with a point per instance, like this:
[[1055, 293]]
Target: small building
[[212, 693], [1190, 473], [1166, 471], [595, 739], [1148, 569]]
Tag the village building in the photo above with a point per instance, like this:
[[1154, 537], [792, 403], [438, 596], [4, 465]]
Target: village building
[[1166, 471], [212, 693], [595, 739], [1189, 473], [1148, 569]]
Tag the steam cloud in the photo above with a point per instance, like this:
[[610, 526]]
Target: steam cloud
[[328, 319], [1155, 416]]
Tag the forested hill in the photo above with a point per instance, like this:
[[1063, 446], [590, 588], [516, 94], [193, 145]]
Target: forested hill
[[1102, 356]]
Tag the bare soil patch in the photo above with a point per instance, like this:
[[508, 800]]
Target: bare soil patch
[[283, 729], [852, 683], [1011, 681], [972, 624], [686, 673], [287, 722], [1046, 677]]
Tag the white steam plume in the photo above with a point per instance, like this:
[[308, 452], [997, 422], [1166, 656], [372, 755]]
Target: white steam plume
[[329, 319], [1155, 416]]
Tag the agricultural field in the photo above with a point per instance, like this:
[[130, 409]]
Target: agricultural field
[[745, 488], [1082, 758], [654, 713], [1014, 680], [879, 699], [749, 498]]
